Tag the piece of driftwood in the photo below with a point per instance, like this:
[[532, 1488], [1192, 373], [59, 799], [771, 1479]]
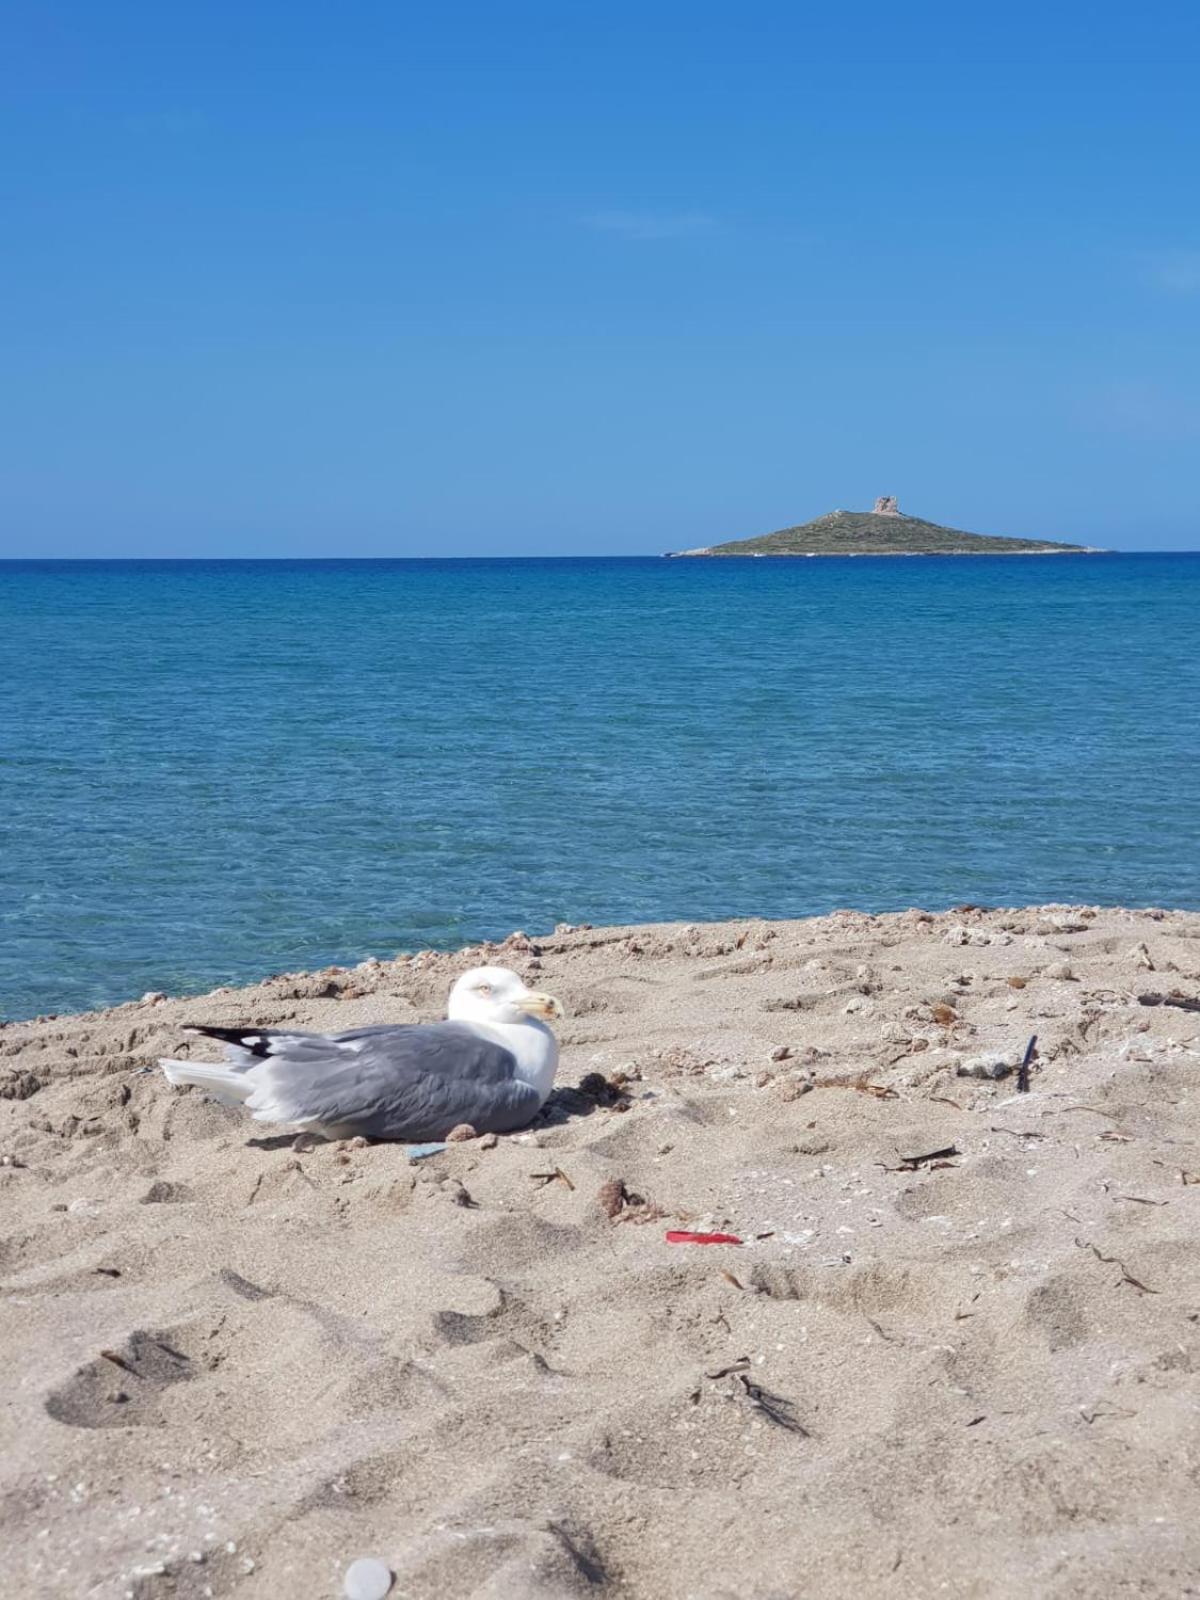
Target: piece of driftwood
[[931, 1158], [1183, 1002]]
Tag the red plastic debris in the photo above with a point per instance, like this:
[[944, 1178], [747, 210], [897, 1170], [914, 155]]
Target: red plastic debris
[[674, 1237]]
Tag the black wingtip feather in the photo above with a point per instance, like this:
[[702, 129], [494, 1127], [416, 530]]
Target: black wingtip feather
[[257, 1047]]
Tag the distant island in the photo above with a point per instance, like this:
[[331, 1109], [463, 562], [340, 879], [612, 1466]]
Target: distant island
[[885, 531]]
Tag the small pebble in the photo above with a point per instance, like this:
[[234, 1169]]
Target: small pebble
[[781, 1052], [461, 1133], [367, 1579], [488, 1142], [1059, 969], [984, 1067]]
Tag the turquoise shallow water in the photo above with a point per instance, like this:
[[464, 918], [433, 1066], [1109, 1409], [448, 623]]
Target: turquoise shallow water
[[214, 770]]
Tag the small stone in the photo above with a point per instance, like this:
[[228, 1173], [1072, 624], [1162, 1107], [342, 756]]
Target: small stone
[[611, 1197], [1017, 983], [153, 997], [984, 1067], [781, 1052], [461, 1133], [794, 1088], [489, 1141], [1060, 970], [367, 1579], [19, 1086]]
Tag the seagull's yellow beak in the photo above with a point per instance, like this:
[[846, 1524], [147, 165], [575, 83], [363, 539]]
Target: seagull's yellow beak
[[536, 1004]]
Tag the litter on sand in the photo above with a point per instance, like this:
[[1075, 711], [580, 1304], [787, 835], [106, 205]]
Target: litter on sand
[[367, 1579], [674, 1236], [418, 1152]]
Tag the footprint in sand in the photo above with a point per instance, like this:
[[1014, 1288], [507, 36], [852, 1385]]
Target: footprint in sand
[[123, 1387]]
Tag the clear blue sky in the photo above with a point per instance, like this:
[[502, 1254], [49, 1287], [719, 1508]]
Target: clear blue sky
[[505, 278]]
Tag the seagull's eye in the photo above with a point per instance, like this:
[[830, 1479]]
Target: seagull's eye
[[483, 988]]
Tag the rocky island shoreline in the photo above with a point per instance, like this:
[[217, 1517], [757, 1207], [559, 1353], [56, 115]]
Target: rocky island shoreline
[[884, 531]]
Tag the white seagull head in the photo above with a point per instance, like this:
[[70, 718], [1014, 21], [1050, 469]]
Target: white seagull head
[[496, 995]]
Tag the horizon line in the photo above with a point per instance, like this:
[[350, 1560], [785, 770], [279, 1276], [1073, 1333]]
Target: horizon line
[[1108, 550]]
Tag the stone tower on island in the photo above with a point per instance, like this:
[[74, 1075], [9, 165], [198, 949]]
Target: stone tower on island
[[887, 506]]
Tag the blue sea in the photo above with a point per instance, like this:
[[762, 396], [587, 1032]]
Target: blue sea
[[210, 771]]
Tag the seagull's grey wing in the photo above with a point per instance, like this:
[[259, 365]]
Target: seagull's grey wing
[[246, 1047], [412, 1081]]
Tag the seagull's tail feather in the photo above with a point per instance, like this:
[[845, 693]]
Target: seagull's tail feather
[[230, 1088]]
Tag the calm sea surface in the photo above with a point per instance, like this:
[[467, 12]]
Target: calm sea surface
[[214, 770]]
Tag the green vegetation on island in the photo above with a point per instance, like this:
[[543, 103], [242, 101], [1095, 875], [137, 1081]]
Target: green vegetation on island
[[886, 531]]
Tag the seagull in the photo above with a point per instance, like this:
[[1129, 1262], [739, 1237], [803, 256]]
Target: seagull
[[491, 1064]]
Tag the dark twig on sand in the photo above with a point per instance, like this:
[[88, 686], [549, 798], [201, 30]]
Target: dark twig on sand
[[1183, 1002], [740, 1365], [774, 1407], [1115, 1261], [931, 1158], [888, 1338], [557, 1176]]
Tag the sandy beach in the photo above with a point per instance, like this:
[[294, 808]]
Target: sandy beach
[[955, 1353]]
